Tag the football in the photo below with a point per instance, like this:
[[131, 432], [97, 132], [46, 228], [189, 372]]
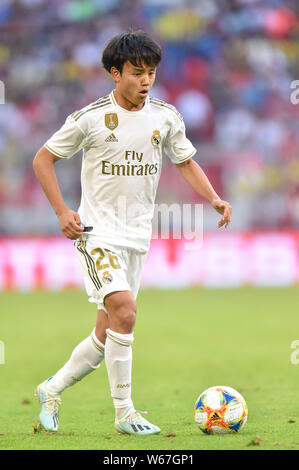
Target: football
[[220, 410]]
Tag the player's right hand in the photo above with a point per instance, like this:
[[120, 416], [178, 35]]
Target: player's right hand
[[70, 224]]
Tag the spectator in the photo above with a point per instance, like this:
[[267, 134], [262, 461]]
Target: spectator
[[227, 67]]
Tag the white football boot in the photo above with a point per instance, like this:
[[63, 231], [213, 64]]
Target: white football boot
[[133, 423], [50, 402]]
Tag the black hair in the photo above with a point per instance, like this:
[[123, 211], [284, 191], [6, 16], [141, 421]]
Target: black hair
[[136, 47]]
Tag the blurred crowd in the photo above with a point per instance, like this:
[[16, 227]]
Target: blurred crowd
[[227, 66]]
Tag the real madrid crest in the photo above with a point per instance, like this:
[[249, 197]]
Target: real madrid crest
[[107, 277], [111, 121], [156, 138]]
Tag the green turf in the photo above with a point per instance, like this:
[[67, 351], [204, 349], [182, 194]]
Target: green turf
[[185, 342]]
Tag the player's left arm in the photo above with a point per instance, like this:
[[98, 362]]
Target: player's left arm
[[198, 180]]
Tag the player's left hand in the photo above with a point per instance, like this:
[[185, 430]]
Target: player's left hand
[[225, 209]]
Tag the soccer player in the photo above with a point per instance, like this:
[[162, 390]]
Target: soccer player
[[124, 136]]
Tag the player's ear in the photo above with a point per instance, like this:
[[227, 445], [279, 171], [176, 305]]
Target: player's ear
[[115, 74]]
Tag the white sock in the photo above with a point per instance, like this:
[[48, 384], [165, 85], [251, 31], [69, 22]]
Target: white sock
[[118, 358], [85, 358]]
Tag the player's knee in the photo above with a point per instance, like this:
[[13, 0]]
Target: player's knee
[[126, 317], [122, 313]]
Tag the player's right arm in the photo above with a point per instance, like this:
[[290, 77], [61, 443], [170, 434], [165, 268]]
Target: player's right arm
[[43, 165]]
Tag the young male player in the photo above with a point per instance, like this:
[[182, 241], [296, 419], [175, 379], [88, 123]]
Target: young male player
[[124, 136]]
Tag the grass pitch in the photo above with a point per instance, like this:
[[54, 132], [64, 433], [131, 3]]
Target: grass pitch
[[185, 342]]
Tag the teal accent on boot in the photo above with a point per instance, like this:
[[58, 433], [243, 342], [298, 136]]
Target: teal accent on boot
[[50, 402]]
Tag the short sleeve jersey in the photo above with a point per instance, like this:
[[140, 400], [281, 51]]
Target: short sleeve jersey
[[121, 165]]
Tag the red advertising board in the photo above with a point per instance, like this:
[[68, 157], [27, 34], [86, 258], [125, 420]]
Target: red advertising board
[[223, 259]]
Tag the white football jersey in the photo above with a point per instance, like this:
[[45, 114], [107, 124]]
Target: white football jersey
[[121, 166]]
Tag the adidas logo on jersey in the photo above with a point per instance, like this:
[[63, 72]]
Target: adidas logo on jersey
[[111, 138]]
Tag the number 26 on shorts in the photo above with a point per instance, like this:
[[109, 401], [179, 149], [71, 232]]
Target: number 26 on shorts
[[113, 261]]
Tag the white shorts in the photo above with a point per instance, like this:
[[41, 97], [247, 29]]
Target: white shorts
[[108, 270]]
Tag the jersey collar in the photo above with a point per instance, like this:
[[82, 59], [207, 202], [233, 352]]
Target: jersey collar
[[113, 100]]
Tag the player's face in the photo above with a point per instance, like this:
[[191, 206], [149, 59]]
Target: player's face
[[133, 84]]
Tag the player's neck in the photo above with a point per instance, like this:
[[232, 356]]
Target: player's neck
[[123, 102]]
